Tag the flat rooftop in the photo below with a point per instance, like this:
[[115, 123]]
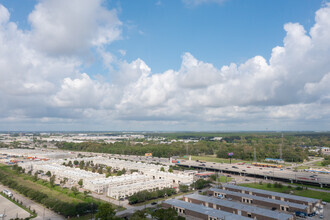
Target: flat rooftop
[[240, 206], [283, 195], [274, 201], [205, 210]]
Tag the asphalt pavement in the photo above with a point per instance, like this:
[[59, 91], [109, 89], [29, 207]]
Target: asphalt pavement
[[42, 212]]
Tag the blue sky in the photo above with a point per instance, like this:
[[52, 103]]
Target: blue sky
[[159, 32], [160, 65]]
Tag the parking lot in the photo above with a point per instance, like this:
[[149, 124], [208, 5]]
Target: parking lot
[[11, 210]]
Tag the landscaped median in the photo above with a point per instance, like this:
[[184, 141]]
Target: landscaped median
[[16, 202]]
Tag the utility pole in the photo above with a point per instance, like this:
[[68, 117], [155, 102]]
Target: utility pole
[[281, 148]]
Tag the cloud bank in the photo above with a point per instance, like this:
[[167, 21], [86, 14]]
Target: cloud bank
[[43, 85]]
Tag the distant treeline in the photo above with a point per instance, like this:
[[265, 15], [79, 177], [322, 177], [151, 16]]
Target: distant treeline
[[157, 150], [266, 145]]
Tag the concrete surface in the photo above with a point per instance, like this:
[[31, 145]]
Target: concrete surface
[[11, 210]]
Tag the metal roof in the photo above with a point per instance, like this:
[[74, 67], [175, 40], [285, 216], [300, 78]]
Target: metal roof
[[205, 210], [283, 195], [274, 201], [240, 206]]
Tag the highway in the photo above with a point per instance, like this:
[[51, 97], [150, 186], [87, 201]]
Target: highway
[[284, 174]]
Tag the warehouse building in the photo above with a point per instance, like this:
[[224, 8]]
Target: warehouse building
[[237, 208], [193, 211], [261, 201], [312, 204]]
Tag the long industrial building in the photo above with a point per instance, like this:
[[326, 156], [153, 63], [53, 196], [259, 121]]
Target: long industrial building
[[261, 201], [193, 211], [310, 202], [237, 208]]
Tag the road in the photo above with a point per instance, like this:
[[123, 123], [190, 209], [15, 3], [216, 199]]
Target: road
[[267, 173], [42, 212]]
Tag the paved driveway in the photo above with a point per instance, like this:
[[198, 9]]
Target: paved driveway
[[11, 210], [42, 212]]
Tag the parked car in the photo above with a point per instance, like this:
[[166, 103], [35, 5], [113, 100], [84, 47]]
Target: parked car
[[153, 203]]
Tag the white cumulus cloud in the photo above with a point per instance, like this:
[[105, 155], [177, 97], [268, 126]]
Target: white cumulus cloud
[[42, 81]]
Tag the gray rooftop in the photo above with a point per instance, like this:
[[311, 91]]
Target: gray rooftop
[[240, 206], [298, 198], [205, 210], [274, 201]]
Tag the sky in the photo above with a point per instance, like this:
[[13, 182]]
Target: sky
[[156, 65]]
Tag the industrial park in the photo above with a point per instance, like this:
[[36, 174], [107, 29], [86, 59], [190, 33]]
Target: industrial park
[[164, 110], [117, 178]]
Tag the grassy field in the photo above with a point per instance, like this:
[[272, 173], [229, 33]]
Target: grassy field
[[309, 186], [162, 199], [318, 163], [285, 189], [223, 179], [213, 158], [302, 167], [56, 192]]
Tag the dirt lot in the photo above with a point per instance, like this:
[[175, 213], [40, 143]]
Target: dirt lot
[[11, 210]]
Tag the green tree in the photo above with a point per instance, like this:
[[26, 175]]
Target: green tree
[[49, 174], [170, 170], [162, 169], [35, 177], [139, 215], [80, 182], [165, 214], [105, 212], [81, 164], [52, 181], [200, 184], [74, 190], [183, 188], [213, 177]]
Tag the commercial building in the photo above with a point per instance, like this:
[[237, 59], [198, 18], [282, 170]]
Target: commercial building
[[237, 208], [312, 204], [259, 201], [127, 190], [275, 160], [102, 185], [193, 211], [146, 176]]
